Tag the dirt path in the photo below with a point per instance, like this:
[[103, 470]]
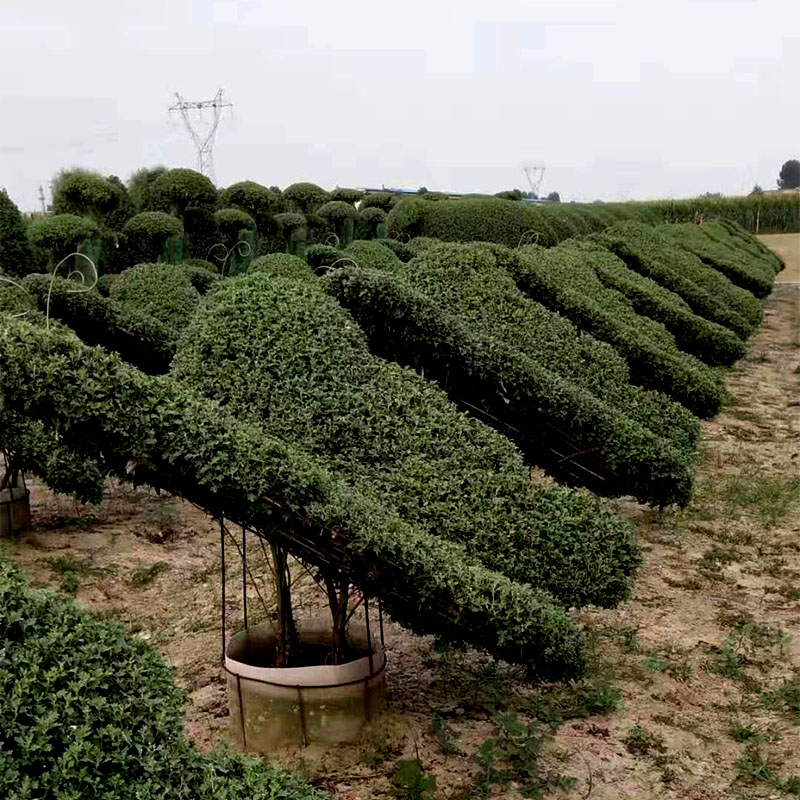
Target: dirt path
[[787, 246], [698, 677]]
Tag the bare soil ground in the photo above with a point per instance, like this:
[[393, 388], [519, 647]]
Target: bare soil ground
[[787, 246], [695, 689]]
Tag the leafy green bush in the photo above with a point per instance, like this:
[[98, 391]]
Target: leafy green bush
[[708, 292], [305, 198], [163, 291], [282, 352], [85, 193], [200, 263], [321, 255], [15, 252], [382, 200], [145, 235], [60, 234], [336, 211], [564, 279], [258, 201], [177, 189], [157, 431], [230, 221], [730, 232], [89, 711], [140, 187], [372, 254], [471, 220], [455, 313], [201, 234]]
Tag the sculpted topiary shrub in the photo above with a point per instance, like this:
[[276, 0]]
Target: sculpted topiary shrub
[[371, 223], [15, 251], [146, 236], [341, 217], [58, 235], [85, 193], [305, 198], [346, 195], [163, 291], [321, 255], [294, 229], [177, 189], [230, 221], [454, 313]]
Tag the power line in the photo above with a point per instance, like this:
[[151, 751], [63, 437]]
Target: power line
[[203, 140]]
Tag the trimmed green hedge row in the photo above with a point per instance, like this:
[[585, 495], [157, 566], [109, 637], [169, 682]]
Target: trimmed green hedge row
[[282, 352], [456, 315], [88, 711], [708, 292], [734, 235], [712, 343], [564, 279], [155, 430], [740, 268]]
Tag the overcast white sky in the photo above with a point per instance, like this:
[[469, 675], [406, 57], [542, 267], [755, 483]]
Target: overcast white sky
[[631, 99]]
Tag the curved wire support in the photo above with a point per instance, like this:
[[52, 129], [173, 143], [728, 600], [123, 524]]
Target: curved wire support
[[403, 237], [332, 239], [528, 237], [241, 247], [75, 273], [4, 279], [326, 268]]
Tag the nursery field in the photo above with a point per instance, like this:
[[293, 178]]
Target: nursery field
[[787, 246], [693, 689]]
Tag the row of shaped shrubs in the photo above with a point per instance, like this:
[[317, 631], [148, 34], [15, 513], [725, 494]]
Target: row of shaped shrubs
[[560, 546]]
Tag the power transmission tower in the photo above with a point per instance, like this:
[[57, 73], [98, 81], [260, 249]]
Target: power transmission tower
[[41, 199], [535, 175], [202, 134]]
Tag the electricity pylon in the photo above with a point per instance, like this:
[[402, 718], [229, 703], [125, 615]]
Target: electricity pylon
[[203, 138]]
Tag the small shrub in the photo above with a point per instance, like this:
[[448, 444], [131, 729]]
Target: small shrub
[[60, 234], [177, 189], [15, 252]]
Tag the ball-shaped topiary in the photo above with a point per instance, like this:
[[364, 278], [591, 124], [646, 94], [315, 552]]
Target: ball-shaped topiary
[[336, 211], [283, 264], [378, 200], [82, 192], [402, 251], [372, 215], [15, 252], [346, 195], [230, 221], [60, 234], [146, 234], [140, 187], [290, 220], [177, 189], [305, 197], [258, 201]]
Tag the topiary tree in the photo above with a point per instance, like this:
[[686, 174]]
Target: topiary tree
[[382, 200], [554, 197], [789, 176], [230, 221], [511, 194], [146, 236], [260, 202], [285, 265], [178, 189], [200, 232], [341, 216], [293, 228], [85, 193], [140, 187], [372, 223], [58, 235], [305, 197], [346, 195], [15, 252]]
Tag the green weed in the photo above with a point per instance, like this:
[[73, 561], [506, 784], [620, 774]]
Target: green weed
[[641, 742], [754, 766], [142, 576]]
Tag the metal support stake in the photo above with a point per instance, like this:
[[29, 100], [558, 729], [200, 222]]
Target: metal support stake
[[222, 549], [380, 618], [369, 636], [244, 574]]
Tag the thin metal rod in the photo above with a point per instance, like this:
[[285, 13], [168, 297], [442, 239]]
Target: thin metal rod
[[380, 618], [241, 712], [222, 550], [369, 636], [303, 728], [244, 574]]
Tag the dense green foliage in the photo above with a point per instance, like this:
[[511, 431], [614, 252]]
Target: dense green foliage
[[565, 279], [15, 252], [346, 195], [789, 176], [138, 337], [145, 236], [89, 711], [156, 431], [230, 221], [750, 273], [140, 187], [455, 313], [305, 198], [471, 220], [401, 250], [260, 202], [282, 352], [336, 210], [284, 265], [163, 291], [86, 193], [60, 234], [177, 189], [708, 292], [321, 255], [382, 200]]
